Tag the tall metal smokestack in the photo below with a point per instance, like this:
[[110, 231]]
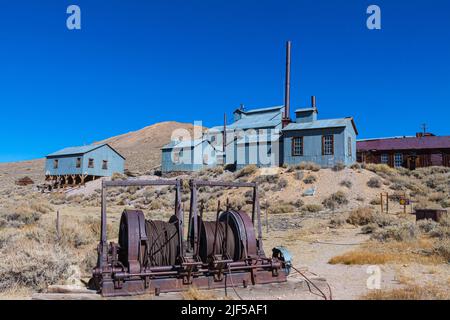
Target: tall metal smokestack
[[287, 93], [224, 139], [313, 102]]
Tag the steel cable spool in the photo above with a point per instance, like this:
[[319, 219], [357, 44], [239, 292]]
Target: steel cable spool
[[163, 247], [145, 243], [132, 239], [244, 233], [241, 241], [207, 232]]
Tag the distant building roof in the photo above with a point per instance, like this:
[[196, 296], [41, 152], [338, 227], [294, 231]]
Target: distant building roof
[[80, 150], [183, 144], [252, 111], [321, 124], [404, 143], [305, 109], [256, 118], [254, 138]]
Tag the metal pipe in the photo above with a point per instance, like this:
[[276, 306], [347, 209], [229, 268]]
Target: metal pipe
[[287, 96], [313, 102]]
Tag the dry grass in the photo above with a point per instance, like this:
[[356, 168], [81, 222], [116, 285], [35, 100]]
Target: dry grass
[[309, 179], [306, 166], [374, 182], [335, 200], [421, 251], [312, 207], [362, 257], [195, 294], [361, 217], [409, 292], [246, 171], [380, 168], [29, 264], [281, 207]]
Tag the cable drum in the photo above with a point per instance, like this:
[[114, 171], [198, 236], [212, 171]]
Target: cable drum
[[240, 242], [207, 232], [162, 243]]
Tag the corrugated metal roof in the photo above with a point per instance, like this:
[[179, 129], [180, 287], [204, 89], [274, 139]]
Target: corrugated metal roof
[[80, 150], [184, 144], [319, 124], [258, 118], [408, 143], [268, 109], [253, 138], [75, 150]]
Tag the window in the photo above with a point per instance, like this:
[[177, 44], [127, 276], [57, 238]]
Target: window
[[328, 145], [269, 150], [78, 164], [398, 160], [91, 163], [55, 164], [213, 139], [297, 146], [105, 165], [384, 158], [349, 146]]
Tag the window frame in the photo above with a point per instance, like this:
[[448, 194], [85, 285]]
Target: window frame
[[395, 159], [324, 147], [105, 165], [78, 163], [91, 163], [294, 146], [55, 163], [386, 161]]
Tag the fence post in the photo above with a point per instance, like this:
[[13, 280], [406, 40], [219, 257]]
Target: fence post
[[267, 218], [58, 225]]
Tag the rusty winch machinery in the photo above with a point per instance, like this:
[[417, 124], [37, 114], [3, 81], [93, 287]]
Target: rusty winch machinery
[[153, 256]]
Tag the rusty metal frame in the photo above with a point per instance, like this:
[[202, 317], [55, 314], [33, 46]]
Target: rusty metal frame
[[136, 183], [256, 211], [115, 279]]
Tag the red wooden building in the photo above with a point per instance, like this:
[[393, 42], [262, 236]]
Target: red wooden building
[[423, 150]]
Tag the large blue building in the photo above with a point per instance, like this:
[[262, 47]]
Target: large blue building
[[267, 137], [74, 165], [263, 138]]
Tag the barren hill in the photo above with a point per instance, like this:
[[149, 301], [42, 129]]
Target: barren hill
[[142, 148]]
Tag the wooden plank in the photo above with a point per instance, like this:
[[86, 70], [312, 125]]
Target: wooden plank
[[65, 296]]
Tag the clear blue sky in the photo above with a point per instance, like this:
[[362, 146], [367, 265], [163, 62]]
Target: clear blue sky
[[135, 63]]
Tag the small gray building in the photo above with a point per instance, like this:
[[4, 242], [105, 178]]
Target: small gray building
[[75, 165]]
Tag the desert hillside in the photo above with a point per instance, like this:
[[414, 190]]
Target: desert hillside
[[142, 148]]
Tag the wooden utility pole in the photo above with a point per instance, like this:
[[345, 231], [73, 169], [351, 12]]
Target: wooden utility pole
[[58, 226]]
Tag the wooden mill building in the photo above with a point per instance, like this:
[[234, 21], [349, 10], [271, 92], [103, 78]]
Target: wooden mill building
[[423, 150], [77, 165]]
